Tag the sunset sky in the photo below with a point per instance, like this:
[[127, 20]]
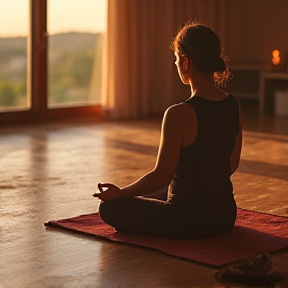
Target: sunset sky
[[63, 16]]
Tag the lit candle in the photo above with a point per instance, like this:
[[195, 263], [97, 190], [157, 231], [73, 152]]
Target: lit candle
[[275, 57]]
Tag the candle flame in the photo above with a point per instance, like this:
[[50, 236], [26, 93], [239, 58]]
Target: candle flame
[[275, 53]]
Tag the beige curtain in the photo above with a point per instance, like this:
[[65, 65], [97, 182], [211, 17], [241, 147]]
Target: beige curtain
[[139, 75]]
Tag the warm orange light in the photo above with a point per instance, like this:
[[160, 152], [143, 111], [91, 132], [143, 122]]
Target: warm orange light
[[276, 60], [276, 57], [275, 53]]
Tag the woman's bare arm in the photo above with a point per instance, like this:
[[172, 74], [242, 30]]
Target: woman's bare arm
[[168, 155], [235, 156]]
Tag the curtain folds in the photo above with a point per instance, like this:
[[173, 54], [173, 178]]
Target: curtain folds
[[139, 75]]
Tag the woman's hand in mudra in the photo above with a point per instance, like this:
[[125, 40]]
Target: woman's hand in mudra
[[108, 191]]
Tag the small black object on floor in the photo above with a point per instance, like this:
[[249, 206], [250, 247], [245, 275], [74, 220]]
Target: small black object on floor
[[257, 270]]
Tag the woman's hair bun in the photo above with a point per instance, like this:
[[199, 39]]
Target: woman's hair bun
[[219, 65]]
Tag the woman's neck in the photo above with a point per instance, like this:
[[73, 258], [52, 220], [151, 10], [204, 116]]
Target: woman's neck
[[204, 86]]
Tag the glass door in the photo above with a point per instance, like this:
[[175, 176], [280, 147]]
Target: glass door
[[14, 56], [75, 29], [50, 59]]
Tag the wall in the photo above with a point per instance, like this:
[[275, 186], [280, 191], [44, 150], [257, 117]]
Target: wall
[[256, 28], [141, 78]]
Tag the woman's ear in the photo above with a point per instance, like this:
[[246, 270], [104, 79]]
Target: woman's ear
[[185, 64]]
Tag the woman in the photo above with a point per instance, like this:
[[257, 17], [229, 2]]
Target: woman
[[200, 147]]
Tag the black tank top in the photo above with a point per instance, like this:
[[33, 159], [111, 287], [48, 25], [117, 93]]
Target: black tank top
[[204, 168]]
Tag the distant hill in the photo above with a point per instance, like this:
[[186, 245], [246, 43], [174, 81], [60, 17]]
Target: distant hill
[[11, 46], [70, 41], [73, 59], [74, 41]]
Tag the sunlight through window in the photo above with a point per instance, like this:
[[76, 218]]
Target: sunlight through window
[[14, 30], [75, 51]]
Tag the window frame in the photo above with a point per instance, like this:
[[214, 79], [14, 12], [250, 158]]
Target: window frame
[[37, 52]]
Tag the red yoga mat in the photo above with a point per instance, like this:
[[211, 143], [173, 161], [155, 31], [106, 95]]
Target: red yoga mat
[[253, 233]]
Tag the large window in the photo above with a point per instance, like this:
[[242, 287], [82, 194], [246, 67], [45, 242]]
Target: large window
[[74, 53], [14, 85], [50, 58]]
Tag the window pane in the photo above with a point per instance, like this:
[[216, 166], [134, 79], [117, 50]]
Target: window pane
[[13, 55], [75, 51]]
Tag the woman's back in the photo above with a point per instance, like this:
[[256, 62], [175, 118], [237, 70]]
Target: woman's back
[[204, 167]]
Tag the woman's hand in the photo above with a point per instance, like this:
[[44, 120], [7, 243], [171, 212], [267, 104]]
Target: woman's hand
[[108, 191]]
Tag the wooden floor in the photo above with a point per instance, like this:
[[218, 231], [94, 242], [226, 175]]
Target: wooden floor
[[50, 171]]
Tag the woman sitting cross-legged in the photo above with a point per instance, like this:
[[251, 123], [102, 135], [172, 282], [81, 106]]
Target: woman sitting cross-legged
[[200, 147]]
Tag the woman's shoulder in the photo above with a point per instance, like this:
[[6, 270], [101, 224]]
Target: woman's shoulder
[[180, 108], [180, 113]]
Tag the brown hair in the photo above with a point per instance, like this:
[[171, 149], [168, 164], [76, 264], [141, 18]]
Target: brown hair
[[203, 47]]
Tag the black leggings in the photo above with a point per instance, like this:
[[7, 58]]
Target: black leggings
[[140, 215]]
